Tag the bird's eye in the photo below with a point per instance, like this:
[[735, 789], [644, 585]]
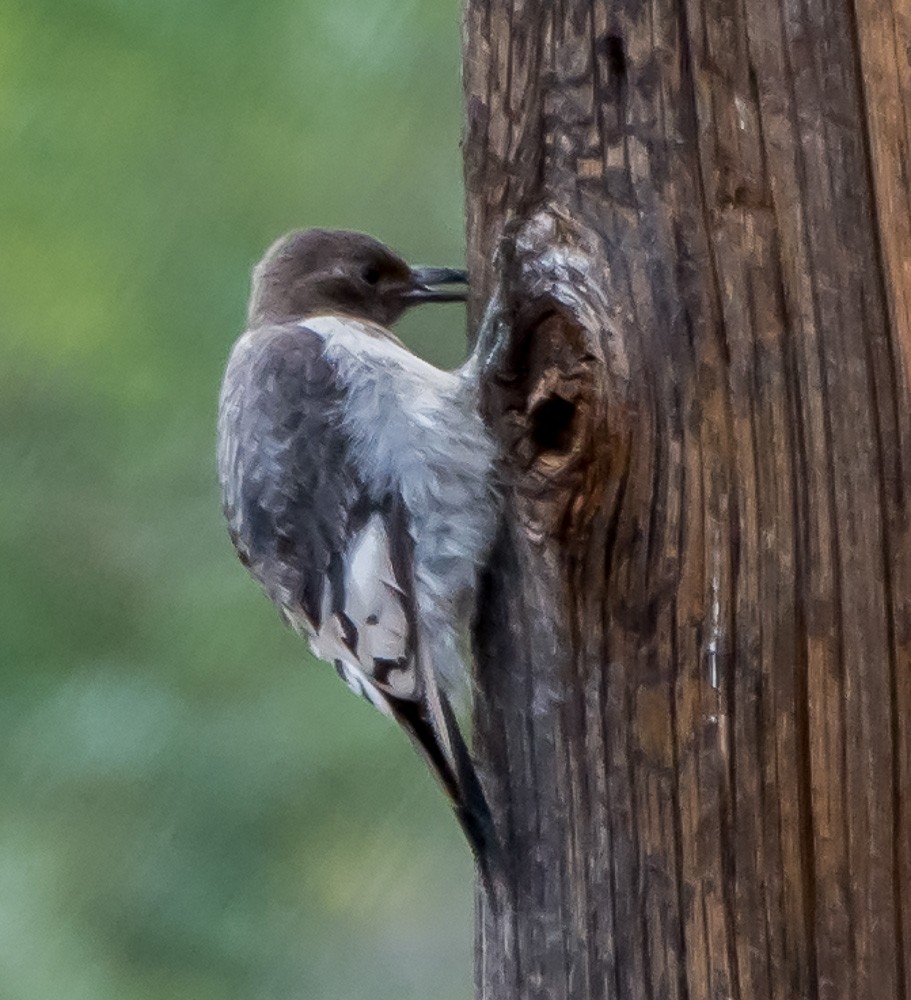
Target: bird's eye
[[370, 274]]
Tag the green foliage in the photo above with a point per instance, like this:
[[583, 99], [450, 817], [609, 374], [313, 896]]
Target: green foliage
[[191, 807]]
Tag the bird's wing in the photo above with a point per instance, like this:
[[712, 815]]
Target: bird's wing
[[289, 490], [335, 558], [302, 519]]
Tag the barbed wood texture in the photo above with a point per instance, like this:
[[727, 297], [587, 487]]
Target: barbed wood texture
[[694, 707]]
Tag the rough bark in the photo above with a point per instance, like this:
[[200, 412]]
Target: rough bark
[[694, 707]]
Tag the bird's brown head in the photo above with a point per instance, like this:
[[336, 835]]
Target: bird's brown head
[[314, 271]]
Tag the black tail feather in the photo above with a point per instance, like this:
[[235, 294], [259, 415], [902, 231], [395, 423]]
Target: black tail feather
[[430, 721], [459, 779]]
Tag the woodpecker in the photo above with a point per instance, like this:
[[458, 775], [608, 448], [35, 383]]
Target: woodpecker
[[357, 483]]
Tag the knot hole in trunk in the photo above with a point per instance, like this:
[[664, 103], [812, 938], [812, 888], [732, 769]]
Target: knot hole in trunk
[[555, 391], [552, 425]]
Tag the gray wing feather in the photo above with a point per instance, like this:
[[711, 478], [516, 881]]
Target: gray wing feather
[[301, 517], [288, 487]]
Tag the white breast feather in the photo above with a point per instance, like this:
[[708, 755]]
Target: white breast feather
[[416, 430]]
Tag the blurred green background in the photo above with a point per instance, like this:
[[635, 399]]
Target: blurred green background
[[189, 806]]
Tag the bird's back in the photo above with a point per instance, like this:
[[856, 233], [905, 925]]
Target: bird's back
[[288, 486]]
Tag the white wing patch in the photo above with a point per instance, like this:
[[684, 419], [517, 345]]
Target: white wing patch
[[370, 639], [373, 599]]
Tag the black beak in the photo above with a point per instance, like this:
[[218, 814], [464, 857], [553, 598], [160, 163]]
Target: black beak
[[423, 280]]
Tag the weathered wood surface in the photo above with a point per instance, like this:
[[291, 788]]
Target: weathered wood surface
[[695, 649]]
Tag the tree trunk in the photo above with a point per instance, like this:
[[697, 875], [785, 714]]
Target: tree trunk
[[694, 680]]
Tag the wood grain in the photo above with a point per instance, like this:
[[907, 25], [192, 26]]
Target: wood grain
[[695, 643]]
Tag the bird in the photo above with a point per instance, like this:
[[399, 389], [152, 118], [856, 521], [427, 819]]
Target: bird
[[359, 488]]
